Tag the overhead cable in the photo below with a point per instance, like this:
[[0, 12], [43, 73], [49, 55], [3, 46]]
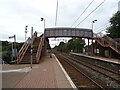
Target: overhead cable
[[100, 30], [82, 13], [90, 13], [103, 25]]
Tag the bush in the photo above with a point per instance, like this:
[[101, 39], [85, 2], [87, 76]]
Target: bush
[[6, 56]]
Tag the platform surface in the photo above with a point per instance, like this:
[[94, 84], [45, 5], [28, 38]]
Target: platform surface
[[117, 61], [12, 74], [47, 74]]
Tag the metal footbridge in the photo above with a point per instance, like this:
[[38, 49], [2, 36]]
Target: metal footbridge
[[39, 43]]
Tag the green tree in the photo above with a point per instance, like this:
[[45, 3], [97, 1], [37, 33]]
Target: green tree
[[7, 50], [61, 47], [114, 29], [75, 44]]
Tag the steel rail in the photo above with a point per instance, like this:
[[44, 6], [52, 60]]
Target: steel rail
[[83, 63], [100, 66], [100, 86]]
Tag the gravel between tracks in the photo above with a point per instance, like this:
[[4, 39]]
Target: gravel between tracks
[[79, 80]]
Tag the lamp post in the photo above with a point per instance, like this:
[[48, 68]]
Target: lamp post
[[14, 46], [93, 23], [42, 19], [92, 35], [26, 32]]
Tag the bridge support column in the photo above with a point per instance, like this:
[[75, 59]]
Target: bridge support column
[[45, 47], [92, 47], [88, 47], [95, 47]]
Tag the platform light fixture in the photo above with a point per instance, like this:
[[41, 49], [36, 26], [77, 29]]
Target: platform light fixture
[[26, 32], [93, 23]]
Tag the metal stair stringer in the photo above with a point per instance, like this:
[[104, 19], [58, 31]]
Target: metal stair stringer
[[23, 50], [38, 54]]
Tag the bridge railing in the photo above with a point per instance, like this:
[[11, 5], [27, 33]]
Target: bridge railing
[[112, 43], [106, 40], [100, 39], [23, 50], [38, 55]]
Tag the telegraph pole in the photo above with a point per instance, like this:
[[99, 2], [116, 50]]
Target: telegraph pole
[[56, 14]]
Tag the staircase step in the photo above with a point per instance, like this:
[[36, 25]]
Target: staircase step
[[26, 58], [27, 62]]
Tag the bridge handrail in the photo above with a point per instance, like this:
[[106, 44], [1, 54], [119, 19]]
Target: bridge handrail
[[21, 52], [100, 39], [111, 42], [39, 49]]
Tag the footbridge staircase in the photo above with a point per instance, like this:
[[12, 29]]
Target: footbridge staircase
[[106, 41], [23, 56]]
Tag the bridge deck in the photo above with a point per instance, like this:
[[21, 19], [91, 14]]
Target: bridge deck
[[47, 74]]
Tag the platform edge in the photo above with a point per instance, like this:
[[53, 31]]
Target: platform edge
[[96, 58], [67, 76]]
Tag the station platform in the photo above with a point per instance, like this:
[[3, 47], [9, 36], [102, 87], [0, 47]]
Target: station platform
[[116, 61], [48, 74]]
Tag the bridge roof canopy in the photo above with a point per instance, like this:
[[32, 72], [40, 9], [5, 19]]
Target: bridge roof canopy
[[68, 32]]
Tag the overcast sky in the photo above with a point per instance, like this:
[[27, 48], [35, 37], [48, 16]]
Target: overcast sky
[[15, 14]]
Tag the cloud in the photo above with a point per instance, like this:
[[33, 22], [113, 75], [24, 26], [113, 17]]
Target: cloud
[[15, 14]]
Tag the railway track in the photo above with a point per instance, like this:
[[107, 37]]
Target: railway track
[[115, 68], [101, 76], [111, 78], [80, 79], [103, 70], [97, 65]]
